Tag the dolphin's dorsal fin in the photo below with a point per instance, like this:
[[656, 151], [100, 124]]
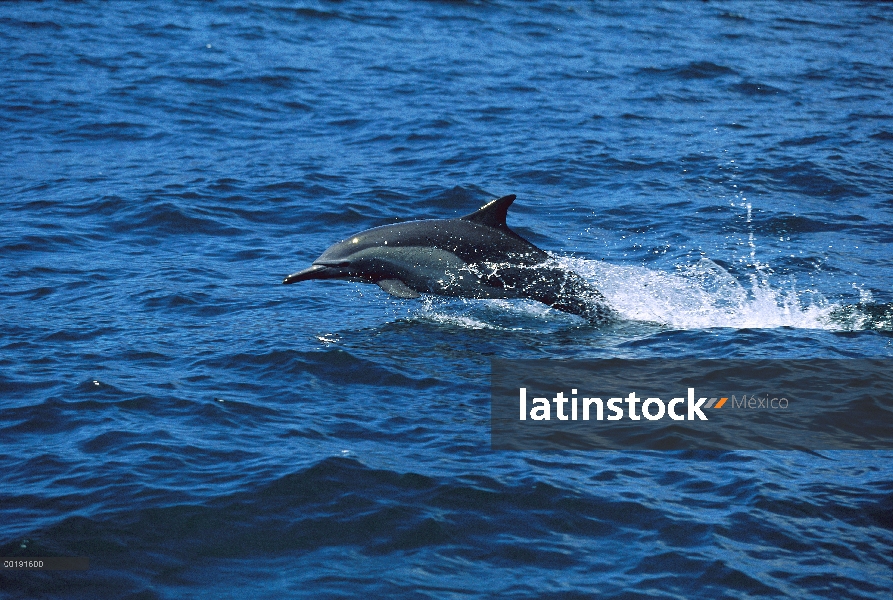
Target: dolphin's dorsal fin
[[492, 214]]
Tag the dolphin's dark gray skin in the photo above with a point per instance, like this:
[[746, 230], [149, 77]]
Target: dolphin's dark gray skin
[[476, 256]]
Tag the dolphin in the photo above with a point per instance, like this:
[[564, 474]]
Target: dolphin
[[475, 256]]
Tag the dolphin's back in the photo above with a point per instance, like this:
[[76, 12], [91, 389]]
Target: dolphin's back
[[470, 241], [482, 236]]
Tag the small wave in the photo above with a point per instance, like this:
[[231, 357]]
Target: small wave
[[190, 302], [328, 365], [31, 24], [44, 243], [805, 141], [312, 190], [282, 82], [755, 89], [167, 218], [312, 13], [118, 130], [810, 179], [692, 70]]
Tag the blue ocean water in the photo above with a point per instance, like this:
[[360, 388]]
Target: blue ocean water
[[720, 170]]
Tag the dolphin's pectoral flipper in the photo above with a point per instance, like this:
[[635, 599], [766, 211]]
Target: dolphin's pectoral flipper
[[397, 288]]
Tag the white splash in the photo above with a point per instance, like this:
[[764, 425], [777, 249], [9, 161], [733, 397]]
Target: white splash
[[701, 296], [437, 311]]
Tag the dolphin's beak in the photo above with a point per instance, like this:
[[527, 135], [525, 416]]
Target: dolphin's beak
[[311, 272]]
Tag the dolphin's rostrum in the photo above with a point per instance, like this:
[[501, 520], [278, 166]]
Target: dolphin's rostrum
[[475, 256]]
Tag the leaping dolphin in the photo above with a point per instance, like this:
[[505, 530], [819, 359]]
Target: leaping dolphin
[[475, 256]]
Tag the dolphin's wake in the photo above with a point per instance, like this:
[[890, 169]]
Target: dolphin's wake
[[700, 296]]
